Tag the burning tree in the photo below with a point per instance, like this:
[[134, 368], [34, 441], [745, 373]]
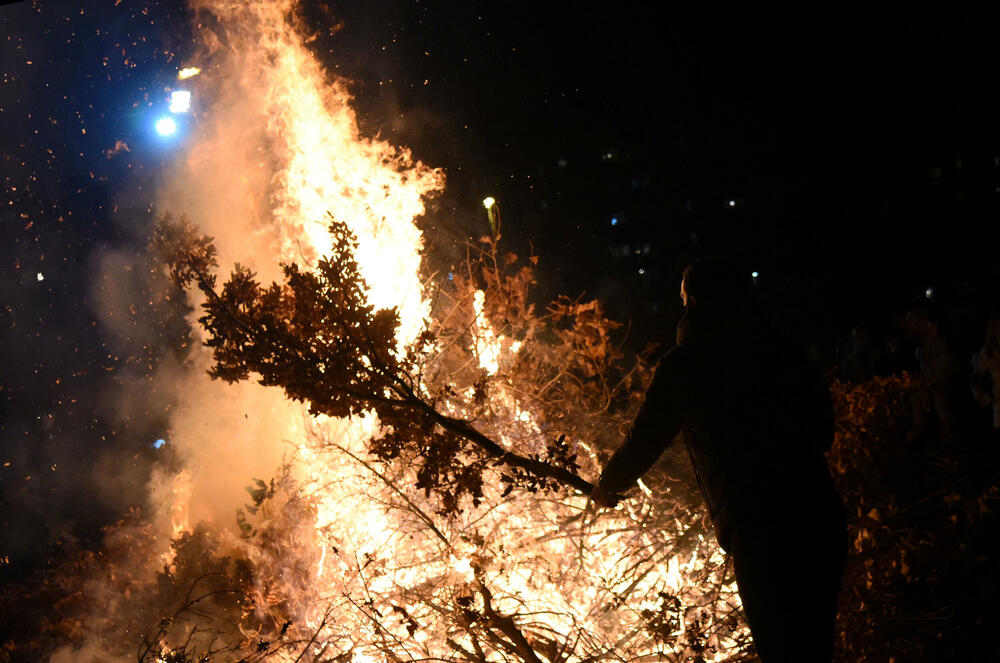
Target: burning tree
[[441, 510]]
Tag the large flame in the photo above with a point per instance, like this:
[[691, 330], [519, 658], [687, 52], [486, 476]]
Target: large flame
[[280, 150], [279, 153]]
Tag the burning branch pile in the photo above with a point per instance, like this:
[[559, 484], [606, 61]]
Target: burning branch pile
[[456, 529]]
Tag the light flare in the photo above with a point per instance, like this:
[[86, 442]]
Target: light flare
[[180, 101], [166, 126]]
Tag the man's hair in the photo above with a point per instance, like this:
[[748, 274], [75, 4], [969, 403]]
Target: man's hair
[[717, 281]]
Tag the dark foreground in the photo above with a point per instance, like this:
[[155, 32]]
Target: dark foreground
[[922, 581]]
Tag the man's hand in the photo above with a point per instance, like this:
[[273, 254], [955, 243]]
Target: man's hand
[[601, 497]]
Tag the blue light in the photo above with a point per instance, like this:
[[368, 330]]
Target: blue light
[[614, 220], [166, 126], [159, 443]]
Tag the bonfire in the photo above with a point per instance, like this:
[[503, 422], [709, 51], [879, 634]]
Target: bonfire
[[370, 458]]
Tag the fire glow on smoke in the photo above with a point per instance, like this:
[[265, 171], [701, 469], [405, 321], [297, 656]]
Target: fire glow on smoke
[[363, 564]]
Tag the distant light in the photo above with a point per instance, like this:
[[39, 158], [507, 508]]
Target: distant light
[[180, 101], [642, 271], [614, 220], [929, 293], [489, 201], [755, 274], [732, 203], [39, 276], [166, 126], [188, 72], [159, 443]]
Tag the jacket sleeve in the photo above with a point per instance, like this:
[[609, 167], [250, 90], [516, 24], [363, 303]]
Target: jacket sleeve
[[654, 428]]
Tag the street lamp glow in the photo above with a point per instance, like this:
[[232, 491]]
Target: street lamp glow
[[166, 126], [180, 101], [489, 201]]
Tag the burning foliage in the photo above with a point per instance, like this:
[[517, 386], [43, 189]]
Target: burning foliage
[[481, 425], [317, 337]]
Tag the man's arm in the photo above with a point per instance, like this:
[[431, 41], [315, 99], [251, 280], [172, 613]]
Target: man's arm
[[654, 428]]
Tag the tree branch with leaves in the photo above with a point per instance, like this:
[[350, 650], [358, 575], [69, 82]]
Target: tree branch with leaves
[[316, 336]]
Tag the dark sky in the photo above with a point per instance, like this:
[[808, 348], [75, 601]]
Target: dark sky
[[74, 82], [859, 149], [859, 146]]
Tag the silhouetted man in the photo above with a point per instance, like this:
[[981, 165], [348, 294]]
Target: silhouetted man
[[756, 420]]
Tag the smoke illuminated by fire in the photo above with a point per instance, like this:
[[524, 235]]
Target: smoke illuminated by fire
[[347, 551]]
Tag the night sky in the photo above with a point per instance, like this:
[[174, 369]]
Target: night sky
[[852, 158]]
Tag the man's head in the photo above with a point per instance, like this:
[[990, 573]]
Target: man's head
[[715, 283]]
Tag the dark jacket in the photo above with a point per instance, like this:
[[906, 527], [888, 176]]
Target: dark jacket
[[756, 420]]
